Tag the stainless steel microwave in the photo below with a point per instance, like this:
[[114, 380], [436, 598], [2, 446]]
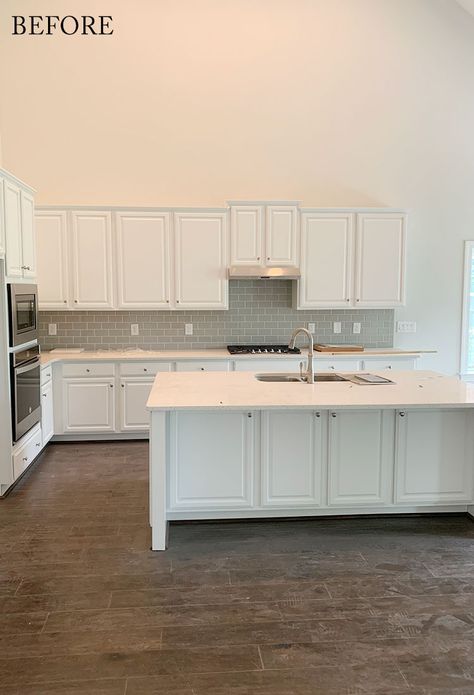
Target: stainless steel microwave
[[22, 313]]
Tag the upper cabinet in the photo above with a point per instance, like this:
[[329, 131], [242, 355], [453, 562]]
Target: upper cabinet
[[264, 234], [143, 260], [92, 280], [53, 260], [201, 260], [380, 265], [17, 230], [352, 260]]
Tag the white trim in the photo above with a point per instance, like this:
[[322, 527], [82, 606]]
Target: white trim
[[466, 305]]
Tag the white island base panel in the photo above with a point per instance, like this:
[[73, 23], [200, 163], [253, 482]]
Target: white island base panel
[[280, 461]]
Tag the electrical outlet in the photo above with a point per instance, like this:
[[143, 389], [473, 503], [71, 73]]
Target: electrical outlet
[[134, 329], [188, 329], [406, 326], [312, 327], [52, 329], [356, 327], [336, 327]]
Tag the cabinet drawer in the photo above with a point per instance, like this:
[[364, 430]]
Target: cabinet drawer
[[203, 366], [46, 375], [27, 453], [336, 365], [144, 368], [85, 369], [389, 363], [270, 364]]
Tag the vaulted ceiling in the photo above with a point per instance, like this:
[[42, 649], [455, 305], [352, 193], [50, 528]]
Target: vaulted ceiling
[[468, 5]]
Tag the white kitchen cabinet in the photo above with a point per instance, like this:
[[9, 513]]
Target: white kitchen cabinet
[[88, 405], [281, 235], [434, 456], [327, 249], [47, 411], [14, 257], [293, 450], [211, 460], [247, 235], [268, 364], [360, 457], [26, 450], [134, 392], [143, 260], [380, 260], [53, 260], [92, 260], [2, 221], [203, 366], [201, 260], [28, 240]]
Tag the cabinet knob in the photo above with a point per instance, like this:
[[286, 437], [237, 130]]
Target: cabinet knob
[[318, 414], [87, 370], [37, 445], [145, 369], [177, 301], [332, 366], [348, 300], [258, 258], [167, 301], [402, 413], [122, 385], [75, 301], [249, 414], [111, 386], [358, 300], [268, 258], [25, 459], [202, 369], [65, 301], [333, 414], [44, 395]]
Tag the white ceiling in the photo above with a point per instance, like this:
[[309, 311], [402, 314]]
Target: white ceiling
[[468, 5]]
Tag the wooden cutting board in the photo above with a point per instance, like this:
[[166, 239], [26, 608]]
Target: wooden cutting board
[[338, 348]]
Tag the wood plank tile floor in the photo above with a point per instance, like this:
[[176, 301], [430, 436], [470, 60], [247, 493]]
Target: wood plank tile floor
[[307, 607]]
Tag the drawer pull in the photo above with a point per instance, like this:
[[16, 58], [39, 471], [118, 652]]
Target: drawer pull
[[25, 459], [333, 414], [37, 444]]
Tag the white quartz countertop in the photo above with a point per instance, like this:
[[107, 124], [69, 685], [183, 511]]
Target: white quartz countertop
[[241, 390], [212, 354]]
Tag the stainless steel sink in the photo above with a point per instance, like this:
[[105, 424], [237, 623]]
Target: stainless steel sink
[[296, 378]]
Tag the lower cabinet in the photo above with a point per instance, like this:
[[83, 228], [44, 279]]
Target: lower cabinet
[[434, 456], [134, 394], [25, 452], [47, 411], [88, 405], [292, 458], [360, 457], [276, 364], [212, 459]]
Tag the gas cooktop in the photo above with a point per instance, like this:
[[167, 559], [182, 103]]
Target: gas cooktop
[[262, 350]]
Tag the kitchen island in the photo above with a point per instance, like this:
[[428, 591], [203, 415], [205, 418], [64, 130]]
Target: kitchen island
[[225, 446]]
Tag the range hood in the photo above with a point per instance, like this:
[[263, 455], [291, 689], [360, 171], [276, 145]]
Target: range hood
[[261, 272]]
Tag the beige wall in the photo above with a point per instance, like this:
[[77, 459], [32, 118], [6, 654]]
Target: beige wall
[[333, 102]]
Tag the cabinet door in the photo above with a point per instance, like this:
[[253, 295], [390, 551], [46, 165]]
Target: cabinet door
[[212, 460], [2, 220], [88, 405], [281, 235], [360, 457], [143, 277], [92, 260], [28, 238], [434, 456], [246, 235], [53, 259], [133, 398], [47, 412], [13, 248], [380, 265], [201, 259], [292, 458], [327, 243]]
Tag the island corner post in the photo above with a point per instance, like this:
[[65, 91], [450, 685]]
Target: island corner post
[[158, 482]]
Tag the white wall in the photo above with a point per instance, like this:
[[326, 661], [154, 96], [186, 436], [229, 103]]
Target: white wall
[[334, 102]]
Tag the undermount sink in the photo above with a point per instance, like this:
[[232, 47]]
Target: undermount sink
[[296, 378]]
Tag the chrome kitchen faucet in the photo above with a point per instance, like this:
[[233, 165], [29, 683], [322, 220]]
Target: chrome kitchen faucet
[[291, 345]]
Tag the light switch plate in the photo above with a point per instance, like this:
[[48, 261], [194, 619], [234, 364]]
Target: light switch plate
[[52, 329], [188, 329], [337, 327], [356, 327], [406, 326], [312, 327], [134, 329]]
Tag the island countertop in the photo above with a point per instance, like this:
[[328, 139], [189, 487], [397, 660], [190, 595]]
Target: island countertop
[[241, 390]]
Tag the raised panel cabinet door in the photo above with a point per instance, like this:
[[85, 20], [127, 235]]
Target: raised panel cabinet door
[[292, 458], [246, 235], [211, 460], [89, 405], [47, 412], [143, 260], [380, 260], [327, 243], [201, 260], [133, 399], [281, 235], [360, 457], [28, 238], [434, 459], [13, 249], [92, 260], [52, 259]]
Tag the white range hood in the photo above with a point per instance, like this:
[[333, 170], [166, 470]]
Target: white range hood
[[261, 272]]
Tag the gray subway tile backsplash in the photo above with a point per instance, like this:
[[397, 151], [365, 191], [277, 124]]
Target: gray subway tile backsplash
[[260, 311]]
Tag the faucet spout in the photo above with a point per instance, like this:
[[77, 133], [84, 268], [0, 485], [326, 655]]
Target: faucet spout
[[291, 345]]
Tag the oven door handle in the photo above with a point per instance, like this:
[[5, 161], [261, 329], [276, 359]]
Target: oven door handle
[[27, 367]]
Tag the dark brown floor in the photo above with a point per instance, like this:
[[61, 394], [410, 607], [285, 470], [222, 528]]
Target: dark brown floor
[[283, 608]]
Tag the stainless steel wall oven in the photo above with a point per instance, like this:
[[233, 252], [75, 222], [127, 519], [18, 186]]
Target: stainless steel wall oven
[[25, 390]]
